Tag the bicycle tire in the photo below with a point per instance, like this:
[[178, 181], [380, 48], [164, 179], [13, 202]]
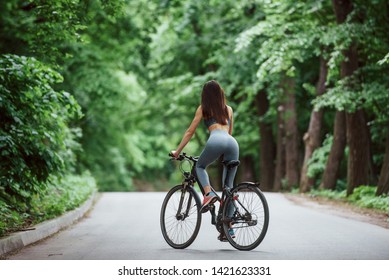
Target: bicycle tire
[[179, 231], [250, 226]]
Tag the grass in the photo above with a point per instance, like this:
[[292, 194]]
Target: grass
[[61, 196]]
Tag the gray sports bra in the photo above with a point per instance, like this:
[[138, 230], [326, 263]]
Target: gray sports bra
[[211, 121]]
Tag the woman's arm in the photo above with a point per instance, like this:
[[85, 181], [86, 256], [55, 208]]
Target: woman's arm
[[189, 132], [231, 120]]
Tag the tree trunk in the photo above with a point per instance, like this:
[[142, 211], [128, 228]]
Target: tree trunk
[[357, 130], [312, 136], [280, 156], [336, 154], [246, 169], [342, 9], [291, 134], [359, 154], [383, 182], [267, 147]]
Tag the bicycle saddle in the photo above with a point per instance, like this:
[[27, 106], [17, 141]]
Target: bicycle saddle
[[231, 163]]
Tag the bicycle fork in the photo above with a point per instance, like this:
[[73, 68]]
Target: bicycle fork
[[179, 214]]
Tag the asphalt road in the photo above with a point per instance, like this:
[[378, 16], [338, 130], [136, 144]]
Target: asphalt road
[[125, 226]]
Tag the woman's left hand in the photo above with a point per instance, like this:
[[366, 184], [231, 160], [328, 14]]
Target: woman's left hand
[[174, 154]]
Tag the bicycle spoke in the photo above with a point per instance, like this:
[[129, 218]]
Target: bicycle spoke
[[180, 225], [250, 218]]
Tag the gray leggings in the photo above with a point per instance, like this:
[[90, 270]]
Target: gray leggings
[[219, 143]]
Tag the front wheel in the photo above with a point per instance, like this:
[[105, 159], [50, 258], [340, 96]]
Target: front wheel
[[246, 217], [180, 216]]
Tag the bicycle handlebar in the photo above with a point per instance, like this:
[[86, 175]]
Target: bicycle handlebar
[[182, 157]]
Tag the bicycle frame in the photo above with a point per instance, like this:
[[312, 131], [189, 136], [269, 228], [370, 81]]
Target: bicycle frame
[[234, 210], [191, 177]]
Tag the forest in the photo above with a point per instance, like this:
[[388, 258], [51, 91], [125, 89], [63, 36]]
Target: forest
[[94, 94]]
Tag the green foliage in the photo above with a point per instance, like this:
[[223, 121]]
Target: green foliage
[[111, 101], [252, 45], [9, 219], [363, 196], [384, 60], [289, 34], [61, 195], [367, 88], [318, 161], [206, 32], [137, 67], [116, 141], [370, 96], [43, 28], [336, 195], [35, 139], [40, 26]]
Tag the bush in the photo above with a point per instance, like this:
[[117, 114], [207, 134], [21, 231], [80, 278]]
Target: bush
[[35, 140], [363, 196], [317, 162], [60, 196]]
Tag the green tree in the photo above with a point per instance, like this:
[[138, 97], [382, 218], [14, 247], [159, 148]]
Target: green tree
[[359, 43], [35, 138]]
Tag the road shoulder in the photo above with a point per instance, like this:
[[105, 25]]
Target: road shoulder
[[342, 209], [18, 240]]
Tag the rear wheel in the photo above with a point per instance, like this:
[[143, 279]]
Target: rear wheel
[[246, 216], [180, 216]]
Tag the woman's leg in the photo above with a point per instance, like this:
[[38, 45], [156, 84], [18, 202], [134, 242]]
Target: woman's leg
[[212, 151], [232, 153], [209, 155]]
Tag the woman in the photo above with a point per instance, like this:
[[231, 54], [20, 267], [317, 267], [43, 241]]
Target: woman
[[218, 117]]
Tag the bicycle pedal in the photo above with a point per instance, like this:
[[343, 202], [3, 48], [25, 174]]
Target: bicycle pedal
[[204, 209]]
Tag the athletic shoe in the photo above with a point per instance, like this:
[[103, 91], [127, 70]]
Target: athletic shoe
[[231, 232], [209, 198], [222, 237]]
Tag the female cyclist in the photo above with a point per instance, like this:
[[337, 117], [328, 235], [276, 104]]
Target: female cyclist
[[218, 117]]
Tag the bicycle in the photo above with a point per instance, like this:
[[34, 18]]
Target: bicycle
[[242, 208]]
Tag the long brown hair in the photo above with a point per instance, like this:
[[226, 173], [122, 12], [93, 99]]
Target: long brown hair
[[213, 102]]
